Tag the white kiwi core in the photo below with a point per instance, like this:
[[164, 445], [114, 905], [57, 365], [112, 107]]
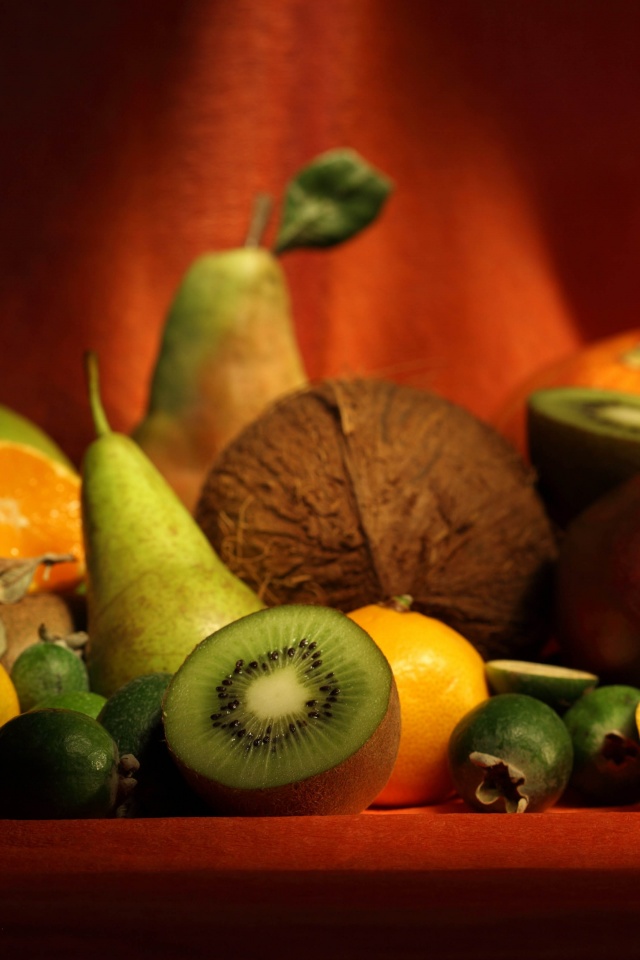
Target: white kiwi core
[[276, 695]]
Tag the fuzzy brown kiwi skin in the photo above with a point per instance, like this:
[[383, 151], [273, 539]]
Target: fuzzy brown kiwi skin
[[20, 621], [348, 788]]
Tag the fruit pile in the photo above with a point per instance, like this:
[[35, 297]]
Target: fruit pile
[[278, 598]]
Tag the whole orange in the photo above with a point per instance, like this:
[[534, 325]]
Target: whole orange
[[440, 676]]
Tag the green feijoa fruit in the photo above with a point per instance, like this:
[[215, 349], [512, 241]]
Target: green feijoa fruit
[[47, 668], [606, 745], [289, 711], [133, 714], [511, 754], [85, 701], [133, 717], [558, 686], [57, 764]]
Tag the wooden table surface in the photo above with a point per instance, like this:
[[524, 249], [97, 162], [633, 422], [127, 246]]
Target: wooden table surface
[[438, 882]]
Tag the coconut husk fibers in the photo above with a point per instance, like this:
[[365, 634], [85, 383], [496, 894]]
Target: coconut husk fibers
[[352, 491]]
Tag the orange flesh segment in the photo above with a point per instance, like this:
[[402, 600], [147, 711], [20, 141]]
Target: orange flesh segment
[[40, 513]]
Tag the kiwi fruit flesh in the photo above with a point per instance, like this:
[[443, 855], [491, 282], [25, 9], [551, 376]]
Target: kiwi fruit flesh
[[582, 443], [289, 711]]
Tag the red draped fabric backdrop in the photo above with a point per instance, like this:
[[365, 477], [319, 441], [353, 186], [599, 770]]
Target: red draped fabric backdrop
[[135, 136]]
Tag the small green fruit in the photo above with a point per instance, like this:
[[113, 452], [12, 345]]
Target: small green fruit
[[45, 669], [606, 745], [84, 701], [57, 764], [133, 717], [510, 754]]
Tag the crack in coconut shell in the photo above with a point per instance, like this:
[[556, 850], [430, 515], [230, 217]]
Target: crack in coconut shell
[[351, 491]]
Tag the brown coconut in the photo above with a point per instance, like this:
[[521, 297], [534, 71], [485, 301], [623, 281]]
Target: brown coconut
[[352, 491]]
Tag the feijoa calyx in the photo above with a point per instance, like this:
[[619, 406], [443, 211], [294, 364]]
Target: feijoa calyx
[[289, 711], [511, 754]]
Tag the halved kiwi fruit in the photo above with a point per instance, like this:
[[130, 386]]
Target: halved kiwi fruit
[[289, 711], [582, 443]]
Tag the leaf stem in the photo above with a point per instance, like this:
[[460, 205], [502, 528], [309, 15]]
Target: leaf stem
[[262, 207]]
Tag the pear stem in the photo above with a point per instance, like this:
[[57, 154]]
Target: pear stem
[[259, 220], [100, 421]]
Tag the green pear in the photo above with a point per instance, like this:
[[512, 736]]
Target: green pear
[[228, 350], [229, 346], [155, 586]]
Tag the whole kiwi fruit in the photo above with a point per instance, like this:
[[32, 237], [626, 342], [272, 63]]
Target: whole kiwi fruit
[[351, 491]]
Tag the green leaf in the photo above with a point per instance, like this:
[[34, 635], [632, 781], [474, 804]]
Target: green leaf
[[330, 200]]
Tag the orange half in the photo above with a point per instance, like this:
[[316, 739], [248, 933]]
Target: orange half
[[40, 513]]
